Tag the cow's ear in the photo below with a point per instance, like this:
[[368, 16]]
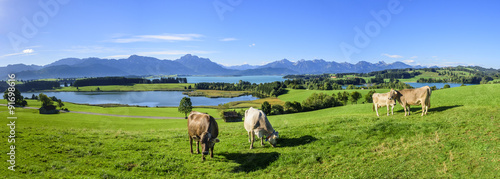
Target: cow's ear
[[216, 140]]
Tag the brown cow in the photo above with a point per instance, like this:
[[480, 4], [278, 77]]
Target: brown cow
[[419, 96], [202, 128], [381, 100]]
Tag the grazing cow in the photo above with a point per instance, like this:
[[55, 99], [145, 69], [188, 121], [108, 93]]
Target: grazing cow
[[256, 124], [202, 128], [381, 100], [419, 96]]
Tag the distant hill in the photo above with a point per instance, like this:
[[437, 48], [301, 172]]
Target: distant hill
[[186, 65]]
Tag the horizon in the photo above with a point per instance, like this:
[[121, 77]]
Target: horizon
[[234, 33], [232, 65]]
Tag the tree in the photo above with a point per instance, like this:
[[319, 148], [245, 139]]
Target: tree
[[350, 87], [60, 104], [369, 96], [288, 106], [16, 94], [277, 109], [328, 86], [266, 108], [446, 86], [185, 106], [345, 97], [46, 101], [355, 96]]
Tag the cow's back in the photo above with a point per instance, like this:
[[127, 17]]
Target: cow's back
[[256, 120], [201, 122], [380, 98], [415, 96]]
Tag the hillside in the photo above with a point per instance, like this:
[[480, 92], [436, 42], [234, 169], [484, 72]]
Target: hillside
[[458, 138]]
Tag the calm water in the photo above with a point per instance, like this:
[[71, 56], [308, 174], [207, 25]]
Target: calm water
[[233, 79], [142, 98]]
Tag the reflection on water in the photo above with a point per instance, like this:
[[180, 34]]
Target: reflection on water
[[141, 98]]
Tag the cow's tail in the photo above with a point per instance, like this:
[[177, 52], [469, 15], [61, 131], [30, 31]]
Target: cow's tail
[[373, 107], [429, 91]]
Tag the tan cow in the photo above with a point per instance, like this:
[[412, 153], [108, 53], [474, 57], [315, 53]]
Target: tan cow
[[256, 124], [203, 129], [419, 96], [381, 100]]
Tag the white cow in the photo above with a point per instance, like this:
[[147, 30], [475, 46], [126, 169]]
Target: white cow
[[383, 99], [256, 124]]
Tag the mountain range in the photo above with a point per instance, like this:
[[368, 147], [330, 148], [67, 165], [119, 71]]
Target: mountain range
[[186, 65]]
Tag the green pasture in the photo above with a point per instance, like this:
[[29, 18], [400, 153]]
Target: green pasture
[[300, 95], [459, 138]]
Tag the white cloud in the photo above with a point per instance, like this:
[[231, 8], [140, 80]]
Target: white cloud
[[408, 61], [28, 51], [413, 57], [228, 39], [154, 38], [251, 45], [392, 56], [165, 52], [24, 52]]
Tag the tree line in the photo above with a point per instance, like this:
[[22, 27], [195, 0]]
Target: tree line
[[316, 101], [31, 86], [267, 89]]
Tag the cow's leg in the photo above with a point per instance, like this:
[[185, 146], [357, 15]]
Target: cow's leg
[[262, 141], [376, 110], [388, 110], [392, 110], [198, 147], [249, 136], [252, 138], [409, 109], [191, 144], [404, 106], [423, 109], [212, 152]]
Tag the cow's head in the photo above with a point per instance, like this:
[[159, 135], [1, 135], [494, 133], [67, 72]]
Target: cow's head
[[393, 94], [207, 142], [273, 138]]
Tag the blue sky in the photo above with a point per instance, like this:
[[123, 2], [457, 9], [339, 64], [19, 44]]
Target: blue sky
[[234, 32]]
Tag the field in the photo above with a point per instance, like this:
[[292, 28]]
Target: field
[[135, 87], [458, 138]]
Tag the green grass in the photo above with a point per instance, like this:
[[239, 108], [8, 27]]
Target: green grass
[[135, 87], [300, 95], [458, 138], [132, 111]]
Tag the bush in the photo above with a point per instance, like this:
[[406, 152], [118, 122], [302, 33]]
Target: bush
[[369, 96], [266, 108], [277, 109]]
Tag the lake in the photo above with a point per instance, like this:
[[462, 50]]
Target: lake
[[141, 98], [233, 79]]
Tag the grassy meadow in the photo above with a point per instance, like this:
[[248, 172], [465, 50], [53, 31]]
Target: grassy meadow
[[460, 137]]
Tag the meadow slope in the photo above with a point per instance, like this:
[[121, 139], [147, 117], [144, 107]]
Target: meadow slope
[[460, 137]]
